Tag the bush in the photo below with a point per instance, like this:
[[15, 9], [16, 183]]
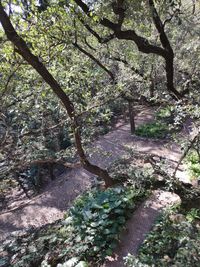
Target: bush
[[88, 234], [126, 171], [97, 219], [166, 113], [152, 130], [193, 164], [174, 241]]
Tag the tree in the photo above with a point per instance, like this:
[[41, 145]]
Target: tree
[[119, 10], [21, 48], [107, 70]]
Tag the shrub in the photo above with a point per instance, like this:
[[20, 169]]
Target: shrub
[[152, 130], [166, 113], [126, 171], [96, 220], [174, 241], [88, 234], [193, 164]]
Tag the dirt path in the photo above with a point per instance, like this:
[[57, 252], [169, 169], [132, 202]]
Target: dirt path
[[59, 194], [139, 226]]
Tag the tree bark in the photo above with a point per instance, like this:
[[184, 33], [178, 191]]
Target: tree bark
[[142, 43], [131, 116], [152, 88], [193, 6], [168, 55], [152, 84], [35, 62]]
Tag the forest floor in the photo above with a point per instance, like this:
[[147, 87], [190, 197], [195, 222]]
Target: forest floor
[[139, 225], [51, 204]]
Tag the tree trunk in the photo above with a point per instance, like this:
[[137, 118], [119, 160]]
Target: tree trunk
[[193, 6], [124, 112], [102, 173], [169, 66], [152, 85], [51, 170], [131, 116], [168, 52], [35, 62], [152, 88]]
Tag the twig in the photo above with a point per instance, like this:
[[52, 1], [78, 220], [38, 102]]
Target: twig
[[47, 161], [192, 142]]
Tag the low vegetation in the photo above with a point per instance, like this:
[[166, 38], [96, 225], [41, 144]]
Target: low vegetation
[[74, 70], [174, 241], [88, 234], [152, 130], [193, 165]]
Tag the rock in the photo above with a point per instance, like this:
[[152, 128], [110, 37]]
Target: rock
[[70, 263], [177, 218], [156, 158], [14, 259], [82, 264]]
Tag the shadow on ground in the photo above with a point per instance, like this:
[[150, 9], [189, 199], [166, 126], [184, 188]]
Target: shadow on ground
[[58, 195]]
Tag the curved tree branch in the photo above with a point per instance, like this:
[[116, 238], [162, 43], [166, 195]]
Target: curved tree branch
[[94, 59], [142, 43], [36, 63]]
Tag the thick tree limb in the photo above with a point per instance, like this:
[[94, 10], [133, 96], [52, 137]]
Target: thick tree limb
[[142, 43], [36, 63], [160, 27], [169, 57]]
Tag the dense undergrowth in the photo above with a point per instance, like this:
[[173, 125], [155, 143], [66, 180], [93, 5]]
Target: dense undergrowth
[[91, 228], [158, 128], [168, 120], [87, 235], [152, 130], [174, 241], [193, 164]]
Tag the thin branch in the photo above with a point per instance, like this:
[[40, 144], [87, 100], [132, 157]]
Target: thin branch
[[36, 132], [9, 80], [89, 45], [94, 59], [99, 105], [168, 20], [101, 40], [125, 62], [51, 161], [193, 6], [192, 142]]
